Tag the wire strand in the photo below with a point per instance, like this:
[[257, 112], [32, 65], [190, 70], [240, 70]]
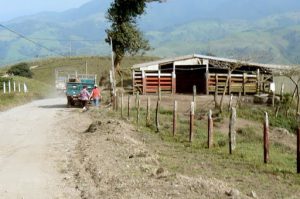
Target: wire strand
[[30, 40]]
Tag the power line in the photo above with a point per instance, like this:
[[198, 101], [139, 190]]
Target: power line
[[68, 40], [30, 40], [50, 39]]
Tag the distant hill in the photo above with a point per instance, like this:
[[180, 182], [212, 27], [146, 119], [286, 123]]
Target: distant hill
[[265, 31]]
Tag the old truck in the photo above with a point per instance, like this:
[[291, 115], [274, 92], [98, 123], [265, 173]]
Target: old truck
[[75, 84]]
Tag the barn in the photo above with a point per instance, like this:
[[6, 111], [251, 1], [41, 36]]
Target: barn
[[208, 73]]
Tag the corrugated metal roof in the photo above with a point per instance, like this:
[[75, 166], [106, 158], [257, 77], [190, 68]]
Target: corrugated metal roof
[[186, 57]]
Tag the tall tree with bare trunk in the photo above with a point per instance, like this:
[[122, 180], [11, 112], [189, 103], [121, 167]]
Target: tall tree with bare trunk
[[230, 68], [293, 74], [124, 32]]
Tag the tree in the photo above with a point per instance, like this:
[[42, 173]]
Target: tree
[[126, 36], [293, 74], [230, 68], [21, 69]]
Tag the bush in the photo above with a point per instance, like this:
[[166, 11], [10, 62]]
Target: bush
[[21, 69], [4, 79]]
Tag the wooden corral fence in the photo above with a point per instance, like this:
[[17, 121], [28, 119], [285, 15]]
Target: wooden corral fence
[[150, 82], [239, 83]]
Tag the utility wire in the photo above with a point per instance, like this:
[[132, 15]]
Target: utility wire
[[69, 40], [30, 40]]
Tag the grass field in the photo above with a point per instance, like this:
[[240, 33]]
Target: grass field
[[243, 169], [36, 90]]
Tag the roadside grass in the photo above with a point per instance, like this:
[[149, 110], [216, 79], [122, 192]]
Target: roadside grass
[[36, 90], [256, 113], [243, 169]]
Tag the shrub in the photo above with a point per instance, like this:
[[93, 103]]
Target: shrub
[[21, 69], [4, 79]]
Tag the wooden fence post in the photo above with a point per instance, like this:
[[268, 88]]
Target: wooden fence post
[[244, 83], [9, 87], [25, 88], [266, 138], [136, 99], [258, 81], [4, 88], [138, 113], [122, 101], [281, 91], [298, 150], [128, 108], [159, 93], [14, 86], [157, 115], [232, 132], [229, 84], [230, 102], [159, 85], [113, 100], [217, 84], [239, 101], [174, 118], [19, 87], [216, 92], [210, 130], [273, 98], [117, 102], [194, 95], [192, 117], [148, 117]]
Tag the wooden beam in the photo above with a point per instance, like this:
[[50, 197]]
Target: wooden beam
[[206, 63], [217, 80], [133, 81], [229, 84], [258, 81], [244, 83], [159, 89], [173, 82], [144, 82]]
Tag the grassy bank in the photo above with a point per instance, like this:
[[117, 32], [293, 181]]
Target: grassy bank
[[36, 90], [244, 169]]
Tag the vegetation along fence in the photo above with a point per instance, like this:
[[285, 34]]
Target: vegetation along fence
[[12, 86], [196, 124]]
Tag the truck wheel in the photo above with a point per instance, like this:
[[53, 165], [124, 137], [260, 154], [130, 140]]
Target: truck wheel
[[70, 102]]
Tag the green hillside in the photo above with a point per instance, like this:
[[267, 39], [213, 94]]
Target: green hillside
[[264, 37], [44, 70], [270, 40]]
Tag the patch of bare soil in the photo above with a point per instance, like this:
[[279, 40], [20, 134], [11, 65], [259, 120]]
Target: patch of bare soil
[[112, 160]]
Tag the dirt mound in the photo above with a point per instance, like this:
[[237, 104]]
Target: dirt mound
[[114, 162]]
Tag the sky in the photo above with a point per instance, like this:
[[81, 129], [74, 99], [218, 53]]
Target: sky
[[10, 9]]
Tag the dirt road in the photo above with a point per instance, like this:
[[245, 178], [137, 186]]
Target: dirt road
[[46, 152], [33, 149]]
